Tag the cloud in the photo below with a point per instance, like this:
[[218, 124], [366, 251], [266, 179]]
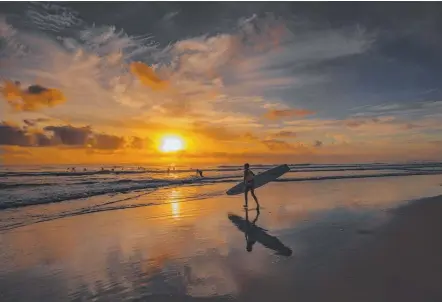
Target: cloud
[[107, 142], [273, 114], [13, 135], [67, 136], [147, 76], [140, 143], [34, 122], [215, 132], [353, 122], [52, 17], [318, 144], [409, 126], [286, 134], [170, 16], [277, 145], [33, 98], [70, 136]]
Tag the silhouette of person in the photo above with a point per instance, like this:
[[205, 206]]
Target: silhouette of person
[[249, 185], [254, 233], [250, 238]]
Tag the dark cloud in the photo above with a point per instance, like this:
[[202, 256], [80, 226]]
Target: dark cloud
[[32, 98], [66, 135], [70, 136], [33, 122], [108, 142], [36, 89], [41, 140], [140, 143], [16, 136], [318, 144], [285, 134], [13, 135]]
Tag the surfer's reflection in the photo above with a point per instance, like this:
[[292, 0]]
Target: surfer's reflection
[[254, 233]]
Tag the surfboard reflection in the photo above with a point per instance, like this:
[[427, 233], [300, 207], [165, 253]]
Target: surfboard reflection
[[254, 233]]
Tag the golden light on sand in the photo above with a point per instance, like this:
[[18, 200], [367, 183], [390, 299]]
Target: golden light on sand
[[171, 143], [175, 203]]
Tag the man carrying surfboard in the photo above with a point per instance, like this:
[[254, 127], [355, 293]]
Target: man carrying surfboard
[[249, 185]]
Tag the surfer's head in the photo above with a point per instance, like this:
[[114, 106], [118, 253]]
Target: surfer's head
[[246, 166]]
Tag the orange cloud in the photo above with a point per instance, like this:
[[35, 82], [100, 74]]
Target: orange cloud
[[277, 145], [32, 98], [277, 114], [147, 76]]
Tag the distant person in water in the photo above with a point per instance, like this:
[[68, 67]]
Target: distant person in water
[[198, 171], [249, 183]]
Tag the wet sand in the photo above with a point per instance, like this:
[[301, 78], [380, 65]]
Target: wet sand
[[295, 249]]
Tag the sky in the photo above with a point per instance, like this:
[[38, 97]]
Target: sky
[[259, 82]]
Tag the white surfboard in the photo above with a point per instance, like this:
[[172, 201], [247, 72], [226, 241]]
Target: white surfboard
[[260, 179]]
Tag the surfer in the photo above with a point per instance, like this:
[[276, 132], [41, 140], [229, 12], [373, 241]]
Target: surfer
[[249, 185], [198, 171]]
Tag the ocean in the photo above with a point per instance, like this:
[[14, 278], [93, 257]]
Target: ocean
[[27, 192]]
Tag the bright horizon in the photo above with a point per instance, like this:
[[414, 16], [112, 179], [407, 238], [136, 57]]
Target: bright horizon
[[261, 87]]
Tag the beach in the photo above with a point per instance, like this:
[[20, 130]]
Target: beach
[[356, 239]]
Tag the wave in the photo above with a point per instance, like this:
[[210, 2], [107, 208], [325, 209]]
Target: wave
[[119, 186], [233, 168], [22, 185], [127, 185]]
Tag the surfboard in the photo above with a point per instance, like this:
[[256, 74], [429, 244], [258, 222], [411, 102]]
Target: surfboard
[[261, 179]]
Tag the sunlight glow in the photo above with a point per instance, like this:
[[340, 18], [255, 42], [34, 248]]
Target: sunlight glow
[[171, 144]]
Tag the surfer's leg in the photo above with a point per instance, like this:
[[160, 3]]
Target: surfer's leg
[[246, 193], [254, 197]]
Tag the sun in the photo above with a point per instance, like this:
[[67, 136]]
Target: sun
[[171, 144]]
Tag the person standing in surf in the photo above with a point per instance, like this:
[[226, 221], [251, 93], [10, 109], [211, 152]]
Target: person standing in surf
[[249, 185]]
